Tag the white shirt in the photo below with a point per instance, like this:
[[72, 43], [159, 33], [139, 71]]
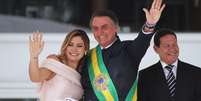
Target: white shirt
[[174, 68]]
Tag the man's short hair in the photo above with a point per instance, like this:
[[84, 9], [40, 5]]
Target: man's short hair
[[107, 13], [160, 33]]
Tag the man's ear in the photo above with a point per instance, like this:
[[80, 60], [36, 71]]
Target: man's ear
[[117, 28], [155, 49]]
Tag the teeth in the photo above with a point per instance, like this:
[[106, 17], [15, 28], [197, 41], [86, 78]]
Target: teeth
[[172, 54], [74, 54], [102, 37]]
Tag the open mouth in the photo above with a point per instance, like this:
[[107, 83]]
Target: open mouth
[[74, 54]]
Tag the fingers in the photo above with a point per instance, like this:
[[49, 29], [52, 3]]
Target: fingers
[[146, 11], [42, 45], [36, 43], [156, 4], [37, 36], [40, 36], [153, 4], [36, 40], [34, 36], [162, 8]]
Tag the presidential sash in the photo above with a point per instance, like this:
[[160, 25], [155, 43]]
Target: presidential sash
[[100, 80]]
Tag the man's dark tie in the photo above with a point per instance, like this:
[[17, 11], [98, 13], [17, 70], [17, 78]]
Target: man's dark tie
[[171, 81], [105, 57]]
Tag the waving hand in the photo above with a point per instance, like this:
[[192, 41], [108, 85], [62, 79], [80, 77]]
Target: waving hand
[[36, 44], [154, 13]]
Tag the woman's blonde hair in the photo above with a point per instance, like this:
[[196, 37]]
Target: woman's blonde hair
[[77, 32]]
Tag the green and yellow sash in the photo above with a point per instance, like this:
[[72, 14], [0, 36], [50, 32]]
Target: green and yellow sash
[[101, 81]]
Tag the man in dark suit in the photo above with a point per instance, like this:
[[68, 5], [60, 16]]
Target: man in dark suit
[[170, 79], [112, 66]]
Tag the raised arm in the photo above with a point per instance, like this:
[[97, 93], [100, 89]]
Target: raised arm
[[36, 45]]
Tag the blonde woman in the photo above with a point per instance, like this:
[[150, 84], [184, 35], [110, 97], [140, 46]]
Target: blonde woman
[[59, 77]]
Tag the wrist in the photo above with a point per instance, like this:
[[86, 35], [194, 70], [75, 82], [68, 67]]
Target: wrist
[[149, 25], [34, 57]]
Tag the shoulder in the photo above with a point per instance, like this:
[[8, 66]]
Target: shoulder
[[53, 56], [190, 68], [148, 74], [149, 70], [188, 65]]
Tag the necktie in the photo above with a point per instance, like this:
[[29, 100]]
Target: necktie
[[105, 57], [171, 81]]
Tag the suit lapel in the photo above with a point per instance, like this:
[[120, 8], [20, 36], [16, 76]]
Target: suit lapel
[[181, 81], [161, 83]]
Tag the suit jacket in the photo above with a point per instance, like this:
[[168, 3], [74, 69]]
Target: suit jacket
[[122, 60], [152, 84]]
